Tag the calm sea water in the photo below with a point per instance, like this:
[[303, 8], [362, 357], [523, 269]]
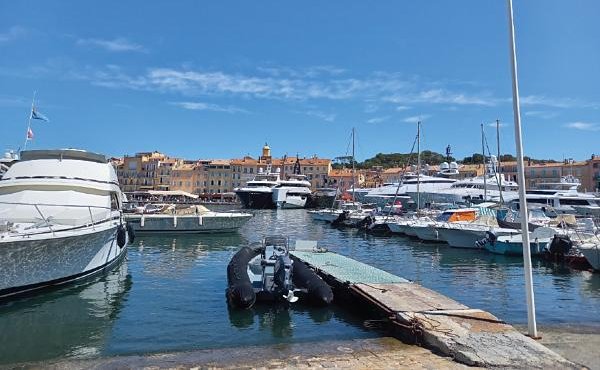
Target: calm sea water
[[169, 295]]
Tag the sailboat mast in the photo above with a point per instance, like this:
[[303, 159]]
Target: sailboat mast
[[484, 165], [29, 121], [531, 323], [499, 162], [418, 165], [353, 166]]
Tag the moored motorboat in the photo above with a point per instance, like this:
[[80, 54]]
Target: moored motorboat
[[60, 220], [186, 219], [591, 251], [539, 241], [267, 272]]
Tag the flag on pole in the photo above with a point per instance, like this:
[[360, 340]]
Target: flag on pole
[[29, 134], [37, 115]]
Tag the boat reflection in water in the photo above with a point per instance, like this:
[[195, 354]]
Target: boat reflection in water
[[277, 318], [75, 321]]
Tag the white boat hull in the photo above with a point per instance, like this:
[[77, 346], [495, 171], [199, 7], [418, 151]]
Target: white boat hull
[[325, 215], [591, 252], [190, 224], [428, 233], [31, 264]]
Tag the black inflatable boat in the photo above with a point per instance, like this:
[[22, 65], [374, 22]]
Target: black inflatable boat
[[267, 272]]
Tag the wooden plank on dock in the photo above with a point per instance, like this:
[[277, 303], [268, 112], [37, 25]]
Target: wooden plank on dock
[[409, 297]]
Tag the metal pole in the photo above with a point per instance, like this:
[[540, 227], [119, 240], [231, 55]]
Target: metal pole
[[499, 162], [29, 121], [484, 165], [532, 329], [353, 166], [418, 165]]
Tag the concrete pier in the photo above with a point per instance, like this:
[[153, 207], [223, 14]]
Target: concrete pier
[[419, 315]]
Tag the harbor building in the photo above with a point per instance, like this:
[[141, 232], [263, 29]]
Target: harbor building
[[343, 179], [146, 171]]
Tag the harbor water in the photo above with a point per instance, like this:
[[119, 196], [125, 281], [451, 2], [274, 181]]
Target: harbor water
[[169, 295]]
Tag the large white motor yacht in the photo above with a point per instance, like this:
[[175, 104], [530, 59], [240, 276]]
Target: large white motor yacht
[[60, 220], [425, 184], [258, 193], [561, 198], [474, 188], [293, 192]]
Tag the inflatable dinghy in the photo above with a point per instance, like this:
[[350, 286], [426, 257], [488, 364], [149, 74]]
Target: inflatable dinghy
[[267, 272]]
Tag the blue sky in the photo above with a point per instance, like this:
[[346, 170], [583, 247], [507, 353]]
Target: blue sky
[[218, 79]]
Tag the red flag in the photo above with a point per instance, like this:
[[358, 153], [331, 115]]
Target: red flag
[[29, 134]]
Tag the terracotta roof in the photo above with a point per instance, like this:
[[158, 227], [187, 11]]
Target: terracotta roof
[[220, 162]]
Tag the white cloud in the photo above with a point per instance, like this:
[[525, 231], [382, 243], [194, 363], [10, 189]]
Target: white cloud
[[556, 102], [375, 120], [116, 45], [328, 117], [584, 126], [493, 124], [13, 33], [443, 96], [541, 114], [208, 107], [401, 108], [415, 119]]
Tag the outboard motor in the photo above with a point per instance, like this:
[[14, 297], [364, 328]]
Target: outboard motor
[[560, 245], [341, 218], [283, 278], [490, 237]]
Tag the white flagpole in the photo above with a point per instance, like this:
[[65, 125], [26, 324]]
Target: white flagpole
[[29, 121], [531, 324]]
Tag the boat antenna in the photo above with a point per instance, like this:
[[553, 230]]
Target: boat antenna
[[484, 164], [400, 182], [531, 324], [353, 166], [418, 166], [499, 161], [27, 138]]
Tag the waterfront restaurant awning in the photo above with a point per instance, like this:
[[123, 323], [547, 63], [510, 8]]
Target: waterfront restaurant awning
[[172, 193], [176, 193]]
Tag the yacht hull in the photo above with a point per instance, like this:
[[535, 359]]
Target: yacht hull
[[427, 233], [31, 265], [285, 199], [189, 224], [592, 254], [256, 200]]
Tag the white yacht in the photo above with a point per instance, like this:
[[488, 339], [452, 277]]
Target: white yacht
[[293, 192], [9, 158], [561, 198], [426, 184], [60, 220], [491, 185], [185, 219], [258, 193], [474, 188]]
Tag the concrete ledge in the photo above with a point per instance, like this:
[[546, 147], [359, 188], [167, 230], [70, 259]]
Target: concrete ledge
[[379, 353]]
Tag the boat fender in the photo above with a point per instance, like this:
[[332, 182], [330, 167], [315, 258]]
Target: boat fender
[[130, 233], [121, 236], [240, 292], [175, 221], [318, 291]]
